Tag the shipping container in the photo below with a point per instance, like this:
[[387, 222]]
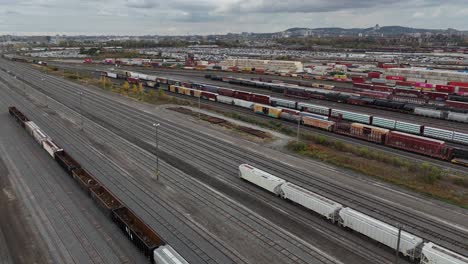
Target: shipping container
[[167, 255], [145, 238], [267, 110], [462, 84], [312, 201], [66, 161], [225, 99], [445, 88], [395, 78], [434, 254], [381, 232], [243, 103], [261, 178]]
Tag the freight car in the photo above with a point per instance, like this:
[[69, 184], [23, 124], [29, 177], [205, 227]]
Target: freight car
[[380, 231], [434, 254], [410, 245], [167, 255], [145, 238], [18, 115]]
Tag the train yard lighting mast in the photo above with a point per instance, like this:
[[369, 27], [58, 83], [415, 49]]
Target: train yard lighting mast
[[156, 127], [81, 109]]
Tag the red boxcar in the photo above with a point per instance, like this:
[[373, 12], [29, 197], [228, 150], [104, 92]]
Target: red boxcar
[[462, 84], [133, 80], [395, 78], [373, 75], [226, 92], [426, 146], [298, 93], [357, 80], [435, 96], [456, 104], [407, 92], [242, 95], [405, 83], [445, 88], [260, 98]]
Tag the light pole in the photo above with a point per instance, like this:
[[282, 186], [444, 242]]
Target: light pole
[[298, 128], [397, 256], [81, 110], [156, 126]]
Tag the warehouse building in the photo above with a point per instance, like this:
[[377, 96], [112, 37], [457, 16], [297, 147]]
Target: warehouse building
[[269, 65]]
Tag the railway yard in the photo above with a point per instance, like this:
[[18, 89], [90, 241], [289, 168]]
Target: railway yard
[[184, 184]]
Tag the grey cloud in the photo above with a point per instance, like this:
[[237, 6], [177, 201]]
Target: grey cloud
[[142, 3]]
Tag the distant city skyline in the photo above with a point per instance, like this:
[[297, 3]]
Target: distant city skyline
[[205, 17]]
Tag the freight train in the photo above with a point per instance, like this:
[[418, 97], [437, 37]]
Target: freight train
[[246, 100], [435, 104], [410, 246], [143, 236], [337, 121]]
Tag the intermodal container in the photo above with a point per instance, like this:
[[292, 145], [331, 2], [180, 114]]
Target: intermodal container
[[462, 84], [445, 88], [395, 78]]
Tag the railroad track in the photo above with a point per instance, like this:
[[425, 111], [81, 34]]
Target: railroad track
[[123, 188], [405, 217], [374, 256], [286, 251]]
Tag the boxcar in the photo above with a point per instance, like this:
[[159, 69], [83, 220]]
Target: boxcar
[[426, 146]]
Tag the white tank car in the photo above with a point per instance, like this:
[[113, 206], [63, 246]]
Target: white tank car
[[261, 178], [310, 200], [167, 255], [433, 254], [381, 232]]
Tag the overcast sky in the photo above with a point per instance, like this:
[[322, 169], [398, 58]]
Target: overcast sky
[[182, 17]]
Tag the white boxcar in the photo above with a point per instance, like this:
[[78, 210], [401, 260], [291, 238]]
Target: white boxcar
[[310, 200], [50, 147], [380, 231], [30, 127], [433, 254], [167, 255], [39, 136], [112, 75], [261, 178], [224, 99], [243, 103]]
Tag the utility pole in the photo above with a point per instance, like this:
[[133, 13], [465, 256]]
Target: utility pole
[[298, 128], [397, 254], [156, 126], [81, 109], [199, 107]]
